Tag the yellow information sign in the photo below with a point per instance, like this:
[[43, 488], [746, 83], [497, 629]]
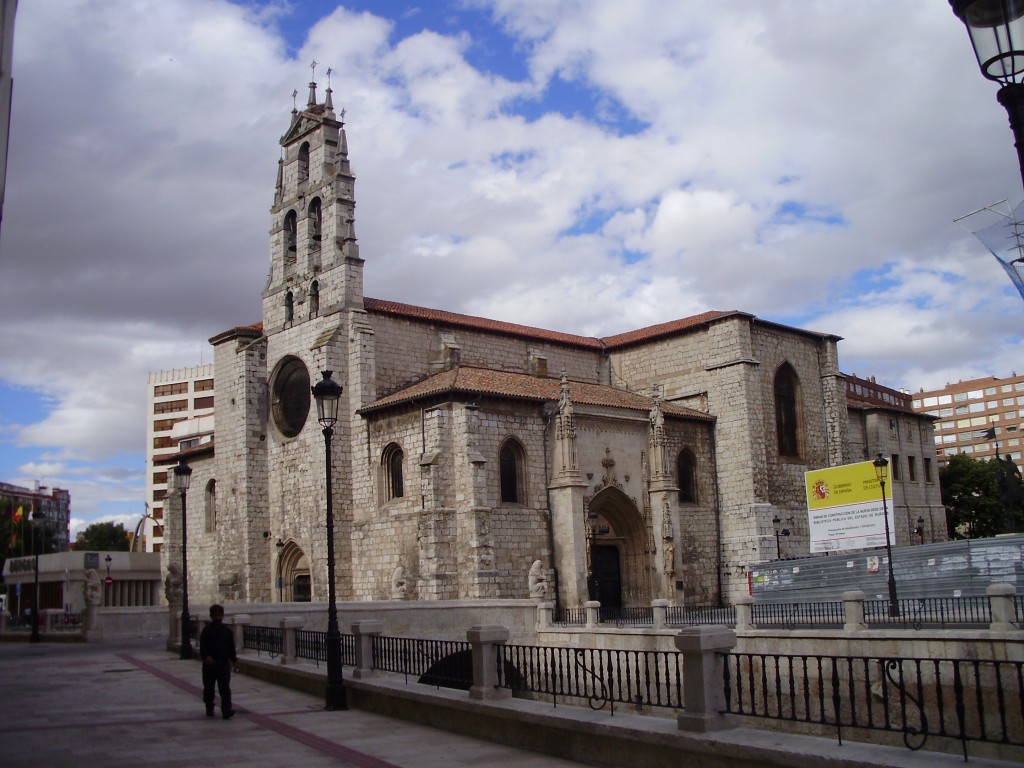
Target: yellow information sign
[[844, 508]]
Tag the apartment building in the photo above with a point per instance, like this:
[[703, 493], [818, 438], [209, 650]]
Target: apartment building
[[180, 415], [50, 505], [978, 417]]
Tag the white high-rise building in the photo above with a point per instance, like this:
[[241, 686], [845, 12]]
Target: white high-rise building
[[179, 407]]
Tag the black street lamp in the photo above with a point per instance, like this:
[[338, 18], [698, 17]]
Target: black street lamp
[[107, 583], [919, 530], [280, 575], [327, 394], [182, 478], [778, 533], [36, 516], [882, 473], [996, 28]]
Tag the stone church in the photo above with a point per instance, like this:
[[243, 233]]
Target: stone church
[[650, 464]]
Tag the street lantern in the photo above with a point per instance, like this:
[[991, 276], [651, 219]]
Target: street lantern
[[182, 478], [327, 394], [280, 575], [882, 473], [778, 533], [36, 517], [996, 28]]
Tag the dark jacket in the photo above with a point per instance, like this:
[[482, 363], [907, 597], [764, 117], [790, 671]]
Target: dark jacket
[[218, 641]]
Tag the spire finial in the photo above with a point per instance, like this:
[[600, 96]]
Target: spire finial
[[311, 101], [328, 101], [294, 107]]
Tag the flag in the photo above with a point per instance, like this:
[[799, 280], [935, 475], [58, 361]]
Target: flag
[[19, 513], [990, 434]]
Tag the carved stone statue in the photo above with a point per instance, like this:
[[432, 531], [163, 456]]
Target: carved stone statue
[[538, 581], [398, 583], [172, 584], [93, 588]]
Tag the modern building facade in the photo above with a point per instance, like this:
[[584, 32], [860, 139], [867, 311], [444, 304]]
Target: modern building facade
[[979, 417], [476, 458], [175, 400], [49, 506]]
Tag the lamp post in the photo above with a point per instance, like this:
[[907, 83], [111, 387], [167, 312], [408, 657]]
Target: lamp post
[[36, 516], [996, 28], [327, 394], [107, 583], [919, 530], [182, 478], [280, 575], [778, 533], [882, 473]]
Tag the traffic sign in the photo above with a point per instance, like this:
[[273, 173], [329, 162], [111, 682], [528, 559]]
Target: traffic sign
[[108, 581]]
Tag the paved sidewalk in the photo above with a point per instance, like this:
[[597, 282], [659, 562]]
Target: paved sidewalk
[[131, 703]]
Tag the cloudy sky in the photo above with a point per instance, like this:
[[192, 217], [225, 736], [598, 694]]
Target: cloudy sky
[[588, 166]]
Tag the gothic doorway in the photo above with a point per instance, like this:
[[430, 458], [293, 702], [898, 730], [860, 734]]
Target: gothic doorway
[[605, 584], [619, 573], [294, 583]]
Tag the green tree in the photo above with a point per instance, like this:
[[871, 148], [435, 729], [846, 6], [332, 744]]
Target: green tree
[[971, 495], [102, 537]]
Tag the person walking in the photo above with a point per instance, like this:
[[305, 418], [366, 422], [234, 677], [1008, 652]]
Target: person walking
[[217, 650]]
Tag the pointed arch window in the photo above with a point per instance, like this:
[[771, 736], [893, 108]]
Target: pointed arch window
[[304, 163], [391, 462], [289, 307], [686, 476], [315, 220], [510, 468], [787, 410], [291, 235], [210, 516], [314, 299]]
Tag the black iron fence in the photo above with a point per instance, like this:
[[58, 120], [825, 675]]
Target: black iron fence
[[639, 616], [914, 613], [442, 663], [931, 612], [600, 677], [312, 645], [569, 617], [682, 616], [962, 699], [269, 640]]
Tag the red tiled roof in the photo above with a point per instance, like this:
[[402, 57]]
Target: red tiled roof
[[652, 332], [443, 317], [520, 386]]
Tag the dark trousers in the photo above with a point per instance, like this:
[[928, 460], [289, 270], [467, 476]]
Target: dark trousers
[[220, 675]]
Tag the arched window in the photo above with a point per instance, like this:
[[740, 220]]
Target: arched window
[[314, 299], [289, 307], [686, 476], [291, 235], [510, 466], [315, 219], [787, 410], [210, 515], [391, 462], [304, 163]]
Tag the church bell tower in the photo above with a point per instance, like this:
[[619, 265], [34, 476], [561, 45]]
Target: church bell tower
[[315, 267]]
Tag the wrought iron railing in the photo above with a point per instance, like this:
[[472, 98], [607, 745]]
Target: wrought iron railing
[[682, 616], [931, 611], [569, 617], [601, 677], [269, 640], [962, 699], [640, 616], [312, 645], [792, 615], [441, 663]]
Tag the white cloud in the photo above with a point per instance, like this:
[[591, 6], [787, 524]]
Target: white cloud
[[143, 156]]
